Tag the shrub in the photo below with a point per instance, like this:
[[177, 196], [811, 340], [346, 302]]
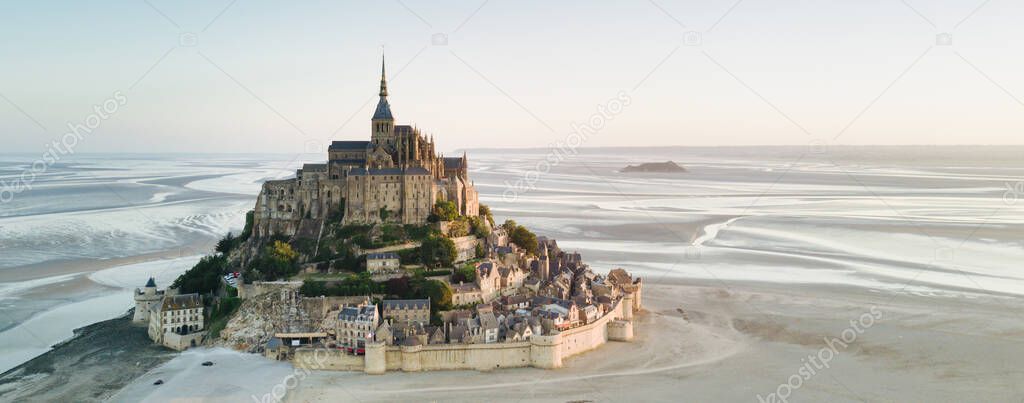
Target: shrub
[[444, 210], [466, 273], [276, 261], [459, 227], [419, 232], [392, 233], [227, 244], [525, 239], [438, 252], [355, 285], [250, 217], [478, 228], [485, 212], [204, 277], [409, 256]]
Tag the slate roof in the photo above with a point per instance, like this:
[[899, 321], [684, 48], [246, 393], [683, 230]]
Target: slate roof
[[383, 110], [365, 313], [183, 301], [619, 277], [385, 255], [488, 321], [406, 304], [458, 332], [349, 145], [348, 162], [452, 162], [388, 171], [468, 287], [151, 283]]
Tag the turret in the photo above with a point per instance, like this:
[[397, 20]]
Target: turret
[[150, 288]]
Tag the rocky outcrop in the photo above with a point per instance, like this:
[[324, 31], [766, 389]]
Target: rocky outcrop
[[261, 316], [659, 167]]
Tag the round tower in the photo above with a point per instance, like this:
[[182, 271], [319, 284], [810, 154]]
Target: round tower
[[146, 299], [546, 351], [375, 360]]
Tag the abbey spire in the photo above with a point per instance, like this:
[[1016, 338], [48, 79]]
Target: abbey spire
[[383, 123], [383, 80]]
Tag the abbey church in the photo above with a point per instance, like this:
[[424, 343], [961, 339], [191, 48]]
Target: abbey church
[[395, 177]]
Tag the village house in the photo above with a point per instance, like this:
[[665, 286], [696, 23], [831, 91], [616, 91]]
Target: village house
[[356, 325], [407, 310], [489, 327], [463, 294], [178, 322], [379, 263]]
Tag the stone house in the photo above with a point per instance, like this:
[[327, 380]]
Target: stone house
[[178, 321], [407, 310], [386, 262], [356, 325], [466, 293]]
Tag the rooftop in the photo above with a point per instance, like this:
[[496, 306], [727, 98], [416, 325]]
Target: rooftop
[[388, 171], [383, 110], [183, 301], [350, 145], [352, 313], [407, 304]]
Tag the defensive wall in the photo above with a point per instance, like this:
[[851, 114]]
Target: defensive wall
[[546, 351]]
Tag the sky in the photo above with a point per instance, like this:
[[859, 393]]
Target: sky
[[262, 76]]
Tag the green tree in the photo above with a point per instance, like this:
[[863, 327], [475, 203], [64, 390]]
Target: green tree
[[509, 226], [438, 251], [276, 261], [525, 239], [444, 210], [459, 227], [466, 273], [226, 244], [485, 211], [478, 228], [204, 277]]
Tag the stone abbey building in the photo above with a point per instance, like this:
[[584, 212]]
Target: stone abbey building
[[396, 176]]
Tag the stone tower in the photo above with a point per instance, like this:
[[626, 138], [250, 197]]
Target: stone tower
[[146, 300], [383, 123]]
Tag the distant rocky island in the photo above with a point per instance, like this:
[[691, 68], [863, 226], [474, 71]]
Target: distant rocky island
[[660, 167]]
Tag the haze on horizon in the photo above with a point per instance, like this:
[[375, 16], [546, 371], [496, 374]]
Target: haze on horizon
[[259, 76]]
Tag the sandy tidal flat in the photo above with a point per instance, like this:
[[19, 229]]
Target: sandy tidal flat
[[699, 342]]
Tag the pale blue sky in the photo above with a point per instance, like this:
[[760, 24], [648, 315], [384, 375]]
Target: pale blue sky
[[282, 77]]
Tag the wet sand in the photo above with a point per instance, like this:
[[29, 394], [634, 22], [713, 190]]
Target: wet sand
[[706, 342], [90, 367], [59, 268]]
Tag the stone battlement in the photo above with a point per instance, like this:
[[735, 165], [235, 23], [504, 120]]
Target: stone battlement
[[541, 351]]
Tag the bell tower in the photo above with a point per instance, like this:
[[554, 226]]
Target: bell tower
[[383, 123]]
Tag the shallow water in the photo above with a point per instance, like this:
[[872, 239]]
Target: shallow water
[[940, 224]]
